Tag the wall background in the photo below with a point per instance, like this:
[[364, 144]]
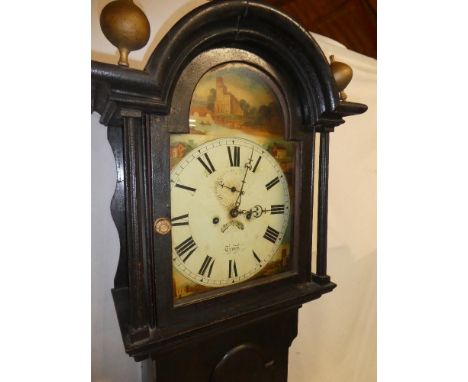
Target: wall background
[[337, 333]]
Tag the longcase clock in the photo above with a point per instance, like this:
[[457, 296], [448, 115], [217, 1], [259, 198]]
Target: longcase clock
[[214, 145]]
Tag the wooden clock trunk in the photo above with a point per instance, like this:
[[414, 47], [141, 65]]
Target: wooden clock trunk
[[242, 332], [253, 352]]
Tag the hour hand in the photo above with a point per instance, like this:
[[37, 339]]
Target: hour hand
[[255, 212], [258, 211]]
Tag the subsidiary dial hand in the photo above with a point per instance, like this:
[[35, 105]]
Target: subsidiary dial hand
[[233, 189]]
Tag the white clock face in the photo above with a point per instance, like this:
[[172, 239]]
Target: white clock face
[[230, 209]]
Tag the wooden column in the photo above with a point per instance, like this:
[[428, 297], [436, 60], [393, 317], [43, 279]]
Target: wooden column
[[322, 229], [136, 216]]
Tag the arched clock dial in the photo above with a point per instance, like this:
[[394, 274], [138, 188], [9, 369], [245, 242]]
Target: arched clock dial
[[230, 209]]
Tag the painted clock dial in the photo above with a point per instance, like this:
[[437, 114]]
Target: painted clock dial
[[221, 234], [230, 211]]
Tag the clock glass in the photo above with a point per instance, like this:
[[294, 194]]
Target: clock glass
[[231, 183]]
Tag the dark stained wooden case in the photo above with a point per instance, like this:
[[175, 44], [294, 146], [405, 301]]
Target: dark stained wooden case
[[240, 333]]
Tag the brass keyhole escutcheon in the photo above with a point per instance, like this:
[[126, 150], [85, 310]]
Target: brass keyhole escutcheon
[[162, 226]]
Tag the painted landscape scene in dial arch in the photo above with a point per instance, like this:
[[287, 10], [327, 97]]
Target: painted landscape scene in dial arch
[[236, 100]]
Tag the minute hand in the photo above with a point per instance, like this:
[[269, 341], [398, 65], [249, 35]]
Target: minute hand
[[248, 166]]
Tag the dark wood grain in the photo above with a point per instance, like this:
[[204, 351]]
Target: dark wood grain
[[351, 22], [254, 352], [322, 220], [136, 209], [160, 197], [115, 137]]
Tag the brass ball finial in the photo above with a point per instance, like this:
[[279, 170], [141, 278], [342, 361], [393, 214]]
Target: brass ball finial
[[125, 26], [342, 73]]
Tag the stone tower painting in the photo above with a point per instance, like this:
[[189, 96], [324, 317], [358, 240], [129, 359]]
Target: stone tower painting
[[226, 103]]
